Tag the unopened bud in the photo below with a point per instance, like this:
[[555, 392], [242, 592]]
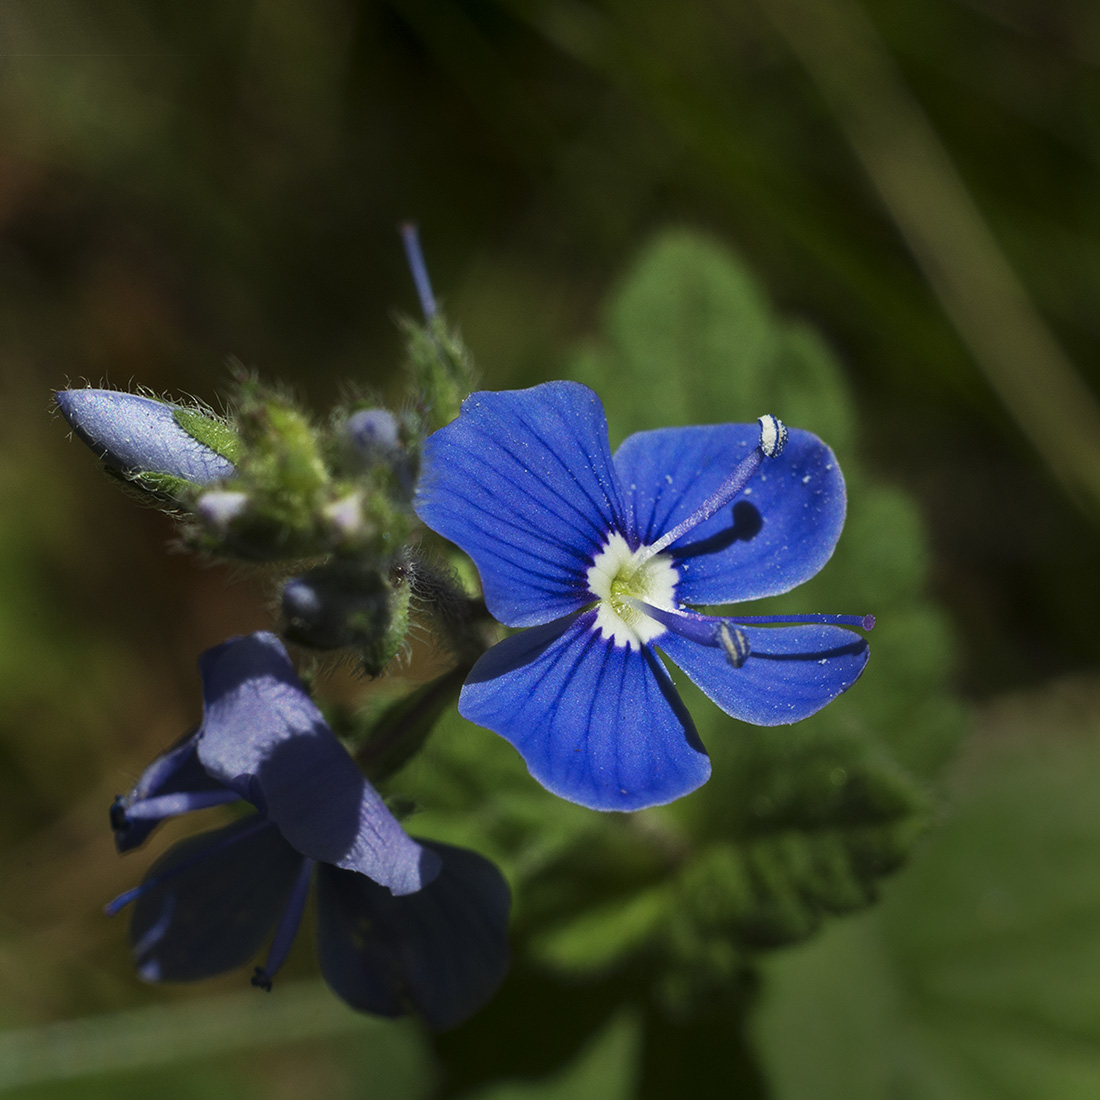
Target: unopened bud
[[138, 435], [374, 433], [336, 605]]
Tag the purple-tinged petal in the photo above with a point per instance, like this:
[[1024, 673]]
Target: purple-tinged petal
[[137, 434], [778, 533], [442, 952], [596, 723], [791, 671], [523, 482], [263, 736], [209, 903], [175, 772]]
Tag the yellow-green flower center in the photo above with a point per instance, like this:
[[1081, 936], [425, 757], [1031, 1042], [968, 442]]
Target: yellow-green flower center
[[619, 575]]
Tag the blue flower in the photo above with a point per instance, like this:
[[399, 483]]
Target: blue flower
[[134, 434], [401, 925], [605, 558]]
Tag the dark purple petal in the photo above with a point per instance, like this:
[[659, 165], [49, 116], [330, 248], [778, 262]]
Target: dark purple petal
[[210, 902], [523, 482], [791, 671], [176, 771], [263, 736], [137, 434], [442, 952], [778, 533], [596, 723]]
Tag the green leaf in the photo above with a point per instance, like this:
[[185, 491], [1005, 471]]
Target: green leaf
[[691, 339], [973, 981], [756, 859], [177, 1039], [385, 740], [604, 1070]]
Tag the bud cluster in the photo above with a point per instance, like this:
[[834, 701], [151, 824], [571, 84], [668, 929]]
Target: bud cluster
[[267, 483]]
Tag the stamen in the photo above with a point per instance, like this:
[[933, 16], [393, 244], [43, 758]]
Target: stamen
[[773, 437], [167, 805], [734, 642], [860, 622], [708, 630], [254, 826], [410, 237], [287, 930]]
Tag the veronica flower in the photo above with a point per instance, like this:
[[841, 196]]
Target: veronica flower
[[606, 558], [401, 925]]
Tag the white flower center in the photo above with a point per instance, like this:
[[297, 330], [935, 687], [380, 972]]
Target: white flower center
[[616, 573]]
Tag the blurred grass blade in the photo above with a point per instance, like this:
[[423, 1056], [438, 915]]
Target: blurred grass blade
[[201, 1029], [921, 189]]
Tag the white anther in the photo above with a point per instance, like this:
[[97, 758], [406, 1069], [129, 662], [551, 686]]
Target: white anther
[[734, 644], [773, 435]]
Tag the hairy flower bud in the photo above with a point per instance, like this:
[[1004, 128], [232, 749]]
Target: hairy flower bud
[[342, 604], [157, 444]]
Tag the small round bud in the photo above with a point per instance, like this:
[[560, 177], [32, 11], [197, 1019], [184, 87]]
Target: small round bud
[[373, 432], [773, 435]]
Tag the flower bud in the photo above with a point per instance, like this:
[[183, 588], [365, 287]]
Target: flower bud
[[336, 605], [137, 435], [372, 444], [374, 433]]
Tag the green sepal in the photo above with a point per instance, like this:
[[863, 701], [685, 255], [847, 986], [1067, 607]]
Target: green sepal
[[394, 736], [165, 486], [442, 369], [387, 644], [283, 457], [212, 433]]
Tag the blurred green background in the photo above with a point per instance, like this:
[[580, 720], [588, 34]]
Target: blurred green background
[[181, 183]]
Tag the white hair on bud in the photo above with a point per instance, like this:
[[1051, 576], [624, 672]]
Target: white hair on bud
[[773, 435]]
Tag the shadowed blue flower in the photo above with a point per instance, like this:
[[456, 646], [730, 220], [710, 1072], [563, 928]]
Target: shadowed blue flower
[[135, 434], [262, 739], [211, 903], [605, 558], [401, 925]]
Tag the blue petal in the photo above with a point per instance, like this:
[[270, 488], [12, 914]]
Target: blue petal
[[442, 952], [791, 671], [523, 482], [263, 736], [176, 771], [137, 434], [595, 723], [210, 902], [778, 533]]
